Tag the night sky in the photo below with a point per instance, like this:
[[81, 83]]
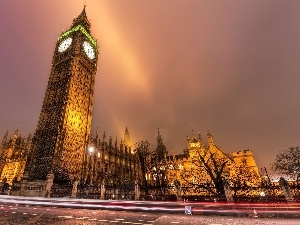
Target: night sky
[[229, 66]]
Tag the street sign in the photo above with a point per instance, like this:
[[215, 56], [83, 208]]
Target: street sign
[[188, 210]]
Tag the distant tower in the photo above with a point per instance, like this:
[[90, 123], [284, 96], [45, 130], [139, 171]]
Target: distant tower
[[126, 141], [59, 142], [161, 149]]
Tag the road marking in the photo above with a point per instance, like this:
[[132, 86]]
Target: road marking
[[150, 221], [92, 219], [126, 222], [119, 219], [67, 217], [24, 213], [141, 220], [34, 214], [13, 212], [136, 223], [102, 220]]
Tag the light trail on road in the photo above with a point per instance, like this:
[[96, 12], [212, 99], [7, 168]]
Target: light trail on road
[[232, 209], [43, 215]]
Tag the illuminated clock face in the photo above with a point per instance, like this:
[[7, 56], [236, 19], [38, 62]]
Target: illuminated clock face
[[89, 51], [65, 44]]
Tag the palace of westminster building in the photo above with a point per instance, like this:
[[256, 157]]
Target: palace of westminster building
[[62, 146], [105, 156]]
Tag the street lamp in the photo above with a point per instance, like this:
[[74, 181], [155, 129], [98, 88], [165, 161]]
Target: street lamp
[[262, 194], [91, 149]]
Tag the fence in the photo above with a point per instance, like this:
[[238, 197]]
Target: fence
[[61, 190], [267, 193]]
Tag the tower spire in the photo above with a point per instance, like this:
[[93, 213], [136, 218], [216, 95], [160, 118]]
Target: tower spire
[[127, 142], [159, 138], [82, 20], [210, 137]]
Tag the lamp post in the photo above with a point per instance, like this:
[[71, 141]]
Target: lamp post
[[89, 150]]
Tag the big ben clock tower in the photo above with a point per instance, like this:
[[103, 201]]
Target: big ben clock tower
[[64, 125]]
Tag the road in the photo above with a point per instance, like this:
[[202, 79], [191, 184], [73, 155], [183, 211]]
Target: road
[[13, 214]]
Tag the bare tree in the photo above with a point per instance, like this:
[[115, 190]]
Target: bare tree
[[142, 150], [242, 179], [208, 171], [159, 171], [288, 162]]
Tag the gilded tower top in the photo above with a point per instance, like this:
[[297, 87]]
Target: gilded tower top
[[82, 20], [81, 25]]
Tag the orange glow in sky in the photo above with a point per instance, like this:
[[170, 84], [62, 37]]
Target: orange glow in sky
[[230, 66]]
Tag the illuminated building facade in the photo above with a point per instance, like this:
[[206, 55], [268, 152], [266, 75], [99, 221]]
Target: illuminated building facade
[[62, 150], [111, 162], [13, 156], [245, 158], [59, 142], [184, 167]]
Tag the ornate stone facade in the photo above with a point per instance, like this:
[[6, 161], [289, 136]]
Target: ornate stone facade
[[13, 156], [105, 162], [109, 161], [189, 166], [113, 163], [64, 125], [245, 158]]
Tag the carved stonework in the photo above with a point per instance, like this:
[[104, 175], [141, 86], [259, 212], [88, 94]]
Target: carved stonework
[[34, 188], [59, 142], [13, 155]]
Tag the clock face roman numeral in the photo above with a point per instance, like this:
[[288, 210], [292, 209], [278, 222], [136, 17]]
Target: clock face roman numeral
[[65, 44], [88, 50]]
